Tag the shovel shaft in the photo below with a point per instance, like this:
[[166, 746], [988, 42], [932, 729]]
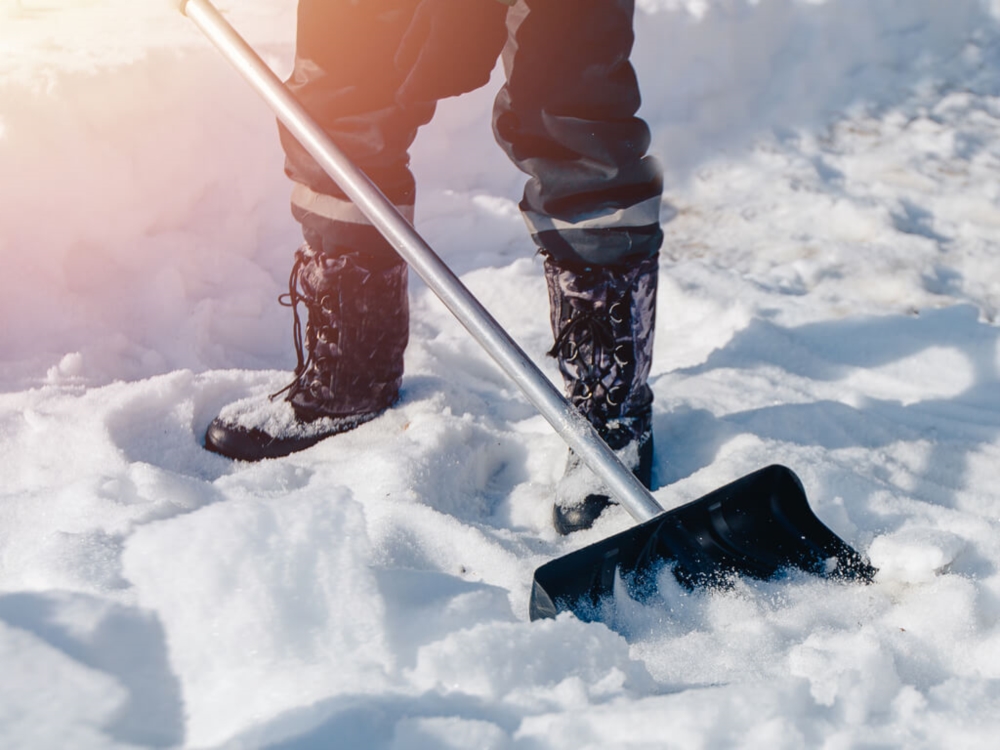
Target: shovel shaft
[[571, 426]]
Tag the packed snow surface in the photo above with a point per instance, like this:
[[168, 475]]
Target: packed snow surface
[[830, 286]]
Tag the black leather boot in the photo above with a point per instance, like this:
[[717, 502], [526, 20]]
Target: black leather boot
[[603, 321], [350, 364]]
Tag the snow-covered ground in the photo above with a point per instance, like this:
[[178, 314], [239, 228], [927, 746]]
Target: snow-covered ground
[[830, 289]]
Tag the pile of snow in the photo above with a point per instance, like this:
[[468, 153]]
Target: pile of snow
[[828, 301]]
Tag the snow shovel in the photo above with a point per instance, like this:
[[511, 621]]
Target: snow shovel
[[756, 526]]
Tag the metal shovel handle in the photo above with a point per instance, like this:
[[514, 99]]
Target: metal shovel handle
[[571, 426]]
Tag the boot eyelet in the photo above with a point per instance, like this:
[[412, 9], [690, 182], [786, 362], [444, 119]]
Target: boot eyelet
[[570, 351], [586, 392], [326, 303], [619, 359], [614, 312], [612, 394]]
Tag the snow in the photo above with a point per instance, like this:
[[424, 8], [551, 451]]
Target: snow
[[829, 301]]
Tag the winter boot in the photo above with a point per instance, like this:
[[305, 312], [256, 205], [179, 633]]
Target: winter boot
[[351, 366], [603, 321]]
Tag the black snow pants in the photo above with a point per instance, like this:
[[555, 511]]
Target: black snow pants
[[372, 71]]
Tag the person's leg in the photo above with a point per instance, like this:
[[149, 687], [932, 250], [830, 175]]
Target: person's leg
[[346, 78], [371, 73], [351, 75], [567, 117]]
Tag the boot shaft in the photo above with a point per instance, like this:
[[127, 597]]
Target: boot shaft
[[603, 321], [356, 332]]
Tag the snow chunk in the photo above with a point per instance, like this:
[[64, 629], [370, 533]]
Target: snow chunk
[[49, 700], [849, 669], [554, 663], [116, 664], [914, 555], [266, 605], [69, 369]]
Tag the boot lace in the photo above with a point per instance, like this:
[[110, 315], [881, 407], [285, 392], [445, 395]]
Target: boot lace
[[292, 299], [595, 327]]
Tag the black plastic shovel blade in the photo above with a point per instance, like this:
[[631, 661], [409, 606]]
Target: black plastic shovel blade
[[756, 526]]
